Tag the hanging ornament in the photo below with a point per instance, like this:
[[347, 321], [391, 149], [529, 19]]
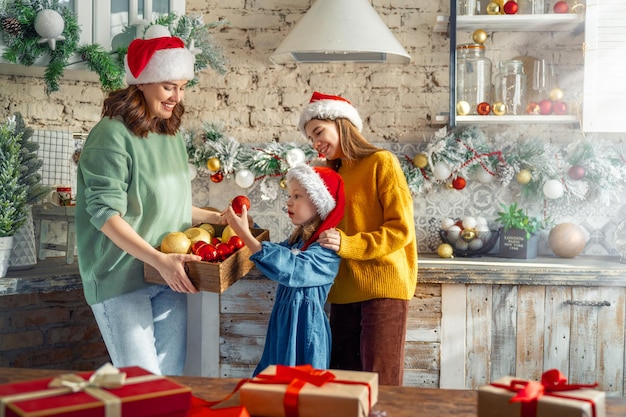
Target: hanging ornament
[[483, 176], [576, 172], [193, 172], [459, 183], [295, 157], [244, 178], [479, 36], [553, 189], [441, 171], [49, 24], [523, 176], [213, 164], [217, 177], [283, 183], [420, 160]]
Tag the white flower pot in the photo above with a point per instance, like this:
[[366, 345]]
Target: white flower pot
[[6, 246]]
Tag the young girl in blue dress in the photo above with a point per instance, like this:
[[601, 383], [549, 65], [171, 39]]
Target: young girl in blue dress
[[298, 331]]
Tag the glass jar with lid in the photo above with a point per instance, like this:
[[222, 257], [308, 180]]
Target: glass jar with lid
[[510, 86], [473, 78]]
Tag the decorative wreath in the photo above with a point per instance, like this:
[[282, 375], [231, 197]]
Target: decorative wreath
[[37, 28]]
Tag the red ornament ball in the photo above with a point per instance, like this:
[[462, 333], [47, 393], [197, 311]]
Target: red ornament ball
[[510, 7], [561, 7], [217, 177], [576, 172], [459, 183], [559, 108], [483, 108], [545, 107], [238, 202]]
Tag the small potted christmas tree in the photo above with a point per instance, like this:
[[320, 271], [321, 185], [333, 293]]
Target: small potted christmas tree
[[13, 195], [518, 234]]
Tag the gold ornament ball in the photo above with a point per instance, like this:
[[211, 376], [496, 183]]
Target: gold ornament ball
[[493, 8], [213, 164], [445, 251], [283, 183], [462, 108], [499, 108], [479, 36], [468, 234], [524, 176], [420, 160], [556, 94]]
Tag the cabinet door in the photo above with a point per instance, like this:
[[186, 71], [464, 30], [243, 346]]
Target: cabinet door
[[604, 101]]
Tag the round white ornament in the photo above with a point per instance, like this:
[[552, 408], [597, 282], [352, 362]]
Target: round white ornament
[[553, 189], [244, 178], [49, 24], [441, 171]]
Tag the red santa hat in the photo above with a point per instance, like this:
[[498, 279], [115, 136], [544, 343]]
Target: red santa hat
[[326, 107], [157, 58], [325, 189]]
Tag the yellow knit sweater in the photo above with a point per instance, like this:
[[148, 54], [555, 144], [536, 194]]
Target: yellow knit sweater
[[378, 248]]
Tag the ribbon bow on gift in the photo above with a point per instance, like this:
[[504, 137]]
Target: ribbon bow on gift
[[107, 376], [552, 381]]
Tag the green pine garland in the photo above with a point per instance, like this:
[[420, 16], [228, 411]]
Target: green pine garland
[[23, 46]]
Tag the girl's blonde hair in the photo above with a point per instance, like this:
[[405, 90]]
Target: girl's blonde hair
[[353, 145], [305, 231]]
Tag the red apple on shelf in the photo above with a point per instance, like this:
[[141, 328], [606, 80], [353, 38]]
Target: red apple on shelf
[[236, 243], [238, 202], [223, 251]]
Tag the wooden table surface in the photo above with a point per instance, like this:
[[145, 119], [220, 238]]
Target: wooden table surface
[[393, 401]]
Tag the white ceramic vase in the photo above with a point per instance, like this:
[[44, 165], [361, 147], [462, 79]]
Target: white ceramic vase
[[6, 246], [24, 254]]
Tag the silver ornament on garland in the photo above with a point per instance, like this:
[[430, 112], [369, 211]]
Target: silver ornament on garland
[[49, 24]]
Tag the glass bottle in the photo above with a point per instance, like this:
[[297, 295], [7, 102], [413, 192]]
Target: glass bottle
[[510, 86], [473, 78]]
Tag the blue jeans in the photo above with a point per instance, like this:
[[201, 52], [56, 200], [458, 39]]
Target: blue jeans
[[146, 328]]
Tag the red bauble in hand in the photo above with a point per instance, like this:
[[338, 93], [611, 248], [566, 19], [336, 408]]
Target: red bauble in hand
[[238, 202]]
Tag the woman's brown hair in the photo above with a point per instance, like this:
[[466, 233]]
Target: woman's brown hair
[[130, 104], [353, 145]]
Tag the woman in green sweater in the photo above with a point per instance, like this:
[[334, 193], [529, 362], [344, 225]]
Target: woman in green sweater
[[375, 240], [134, 188]]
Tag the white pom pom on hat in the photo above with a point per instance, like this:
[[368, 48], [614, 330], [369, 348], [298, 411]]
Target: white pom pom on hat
[[327, 107], [157, 58]]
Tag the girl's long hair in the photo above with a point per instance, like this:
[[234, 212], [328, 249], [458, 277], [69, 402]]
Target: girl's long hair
[[353, 145], [130, 104], [305, 231]]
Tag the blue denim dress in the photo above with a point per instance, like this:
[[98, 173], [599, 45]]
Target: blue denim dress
[[298, 331]]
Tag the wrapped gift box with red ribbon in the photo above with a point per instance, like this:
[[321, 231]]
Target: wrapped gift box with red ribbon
[[108, 392], [301, 391], [551, 397]]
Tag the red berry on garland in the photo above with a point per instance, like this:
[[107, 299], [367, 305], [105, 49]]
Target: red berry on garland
[[483, 108], [576, 172], [561, 7], [510, 7], [217, 177], [458, 183]]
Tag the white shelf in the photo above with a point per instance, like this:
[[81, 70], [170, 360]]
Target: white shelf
[[513, 23], [529, 119]]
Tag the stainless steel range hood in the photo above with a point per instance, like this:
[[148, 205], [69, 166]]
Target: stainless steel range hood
[[340, 31]]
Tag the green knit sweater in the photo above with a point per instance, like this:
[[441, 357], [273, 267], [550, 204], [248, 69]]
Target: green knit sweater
[[378, 247], [146, 181]]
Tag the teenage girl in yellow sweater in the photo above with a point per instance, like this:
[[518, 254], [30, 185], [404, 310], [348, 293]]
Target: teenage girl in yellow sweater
[[375, 240]]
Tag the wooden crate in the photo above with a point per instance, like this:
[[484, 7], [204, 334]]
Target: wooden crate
[[215, 276]]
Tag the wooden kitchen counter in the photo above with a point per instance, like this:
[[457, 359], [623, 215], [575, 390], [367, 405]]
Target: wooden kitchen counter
[[394, 401]]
